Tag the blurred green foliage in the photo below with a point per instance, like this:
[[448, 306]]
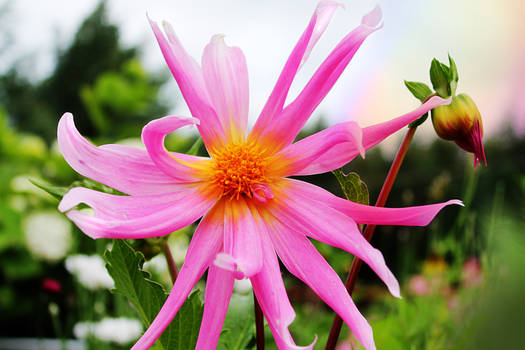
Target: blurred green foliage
[[94, 77], [119, 101], [126, 96]]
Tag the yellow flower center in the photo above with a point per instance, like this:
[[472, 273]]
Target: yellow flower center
[[237, 168]]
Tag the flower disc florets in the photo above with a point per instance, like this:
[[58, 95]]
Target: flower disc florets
[[237, 168]]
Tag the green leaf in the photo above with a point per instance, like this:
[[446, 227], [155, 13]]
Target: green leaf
[[56, 191], [124, 265], [59, 191], [94, 185], [439, 78], [194, 149], [420, 90], [239, 326], [445, 70], [453, 75], [453, 69], [418, 121], [183, 331], [353, 187]]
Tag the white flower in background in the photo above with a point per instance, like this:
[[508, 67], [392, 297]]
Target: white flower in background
[[32, 146], [90, 271], [47, 235], [243, 286], [156, 264], [22, 184], [179, 246], [117, 330], [18, 203], [132, 142], [178, 243], [82, 330]]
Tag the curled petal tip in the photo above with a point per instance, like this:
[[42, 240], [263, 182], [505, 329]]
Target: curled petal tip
[[311, 346], [356, 136], [394, 289], [297, 347], [151, 21], [67, 115], [65, 120], [329, 3], [437, 101], [228, 262], [72, 198], [373, 18], [225, 261], [65, 205], [457, 202], [218, 39]]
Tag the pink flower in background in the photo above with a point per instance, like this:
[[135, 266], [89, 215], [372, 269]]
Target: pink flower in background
[[471, 272], [51, 285], [418, 285], [350, 344], [250, 209]]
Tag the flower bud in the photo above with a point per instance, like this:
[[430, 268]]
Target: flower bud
[[460, 122]]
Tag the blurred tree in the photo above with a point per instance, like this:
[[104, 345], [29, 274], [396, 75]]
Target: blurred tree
[[95, 50], [127, 98], [6, 39]]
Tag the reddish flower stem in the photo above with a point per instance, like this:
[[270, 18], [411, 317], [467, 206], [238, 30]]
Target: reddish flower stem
[[259, 324], [172, 266], [369, 232]]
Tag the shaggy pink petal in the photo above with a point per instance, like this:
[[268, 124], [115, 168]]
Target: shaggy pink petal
[[187, 63], [121, 207], [189, 77], [374, 134], [181, 168], [219, 287], [318, 23], [127, 169], [309, 152], [242, 237], [328, 225], [330, 149], [135, 216], [304, 261], [269, 290], [204, 245], [226, 75], [365, 214], [131, 152], [286, 126]]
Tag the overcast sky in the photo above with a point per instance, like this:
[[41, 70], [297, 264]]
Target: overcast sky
[[484, 36]]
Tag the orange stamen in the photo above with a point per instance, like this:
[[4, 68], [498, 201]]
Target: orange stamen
[[237, 167]]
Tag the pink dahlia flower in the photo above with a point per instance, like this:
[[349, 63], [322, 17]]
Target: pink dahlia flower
[[250, 209]]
